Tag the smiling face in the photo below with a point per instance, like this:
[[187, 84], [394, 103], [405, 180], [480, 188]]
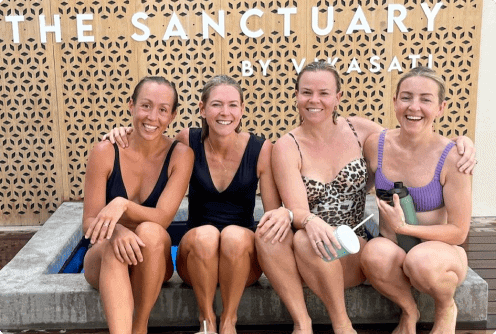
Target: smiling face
[[153, 109], [317, 95], [417, 104], [222, 109]]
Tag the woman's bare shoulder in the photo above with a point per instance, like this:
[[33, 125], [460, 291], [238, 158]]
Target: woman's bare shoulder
[[103, 149]]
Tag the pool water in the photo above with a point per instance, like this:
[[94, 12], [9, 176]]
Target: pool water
[[74, 264]]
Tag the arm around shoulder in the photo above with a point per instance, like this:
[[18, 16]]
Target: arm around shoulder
[[457, 194], [370, 149], [183, 136], [364, 127]]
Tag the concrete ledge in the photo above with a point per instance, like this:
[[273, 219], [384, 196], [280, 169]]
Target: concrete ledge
[[33, 296]]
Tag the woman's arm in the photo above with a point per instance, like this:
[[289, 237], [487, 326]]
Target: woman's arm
[[180, 168], [286, 165], [183, 136], [370, 154], [131, 214], [276, 221], [466, 149], [98, 168], [119, 135]]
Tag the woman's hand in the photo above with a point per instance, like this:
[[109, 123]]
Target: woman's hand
[[103, 225], [119, 135], [393, 216], [127, 245], [320, 233], [275, 225], [466, 149]]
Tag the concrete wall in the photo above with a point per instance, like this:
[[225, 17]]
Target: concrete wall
[[484, 181]]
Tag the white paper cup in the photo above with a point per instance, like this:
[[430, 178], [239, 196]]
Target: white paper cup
[[347, 239]]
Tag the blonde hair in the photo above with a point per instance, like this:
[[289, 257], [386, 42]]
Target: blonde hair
[[318, 66], [216, 81], [425, 72]]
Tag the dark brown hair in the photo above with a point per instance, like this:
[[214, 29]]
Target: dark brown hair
[[159, 80]]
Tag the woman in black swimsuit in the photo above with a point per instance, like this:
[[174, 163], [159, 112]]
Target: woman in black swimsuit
[[219, 247], [131, 197]]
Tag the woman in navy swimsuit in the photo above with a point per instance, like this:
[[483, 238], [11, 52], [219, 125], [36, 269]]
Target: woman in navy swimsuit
[[131, 197], [321, 174], [426, 163], [219, 247]]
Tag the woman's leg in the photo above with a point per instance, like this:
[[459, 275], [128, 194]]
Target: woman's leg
[[198, 266], [329, 279], [238, 268], [279, 265], [437, 268], [111, 277], [147, 277], [382, 262]]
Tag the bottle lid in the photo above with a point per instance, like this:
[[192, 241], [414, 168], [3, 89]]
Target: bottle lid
[[384, 195], [348, 239], [399, 189]]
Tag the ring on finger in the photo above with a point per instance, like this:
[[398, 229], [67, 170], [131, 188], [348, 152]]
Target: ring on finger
[[317, 242], [106, 224]]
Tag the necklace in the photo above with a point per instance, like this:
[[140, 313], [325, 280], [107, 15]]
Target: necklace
[[215, 153]]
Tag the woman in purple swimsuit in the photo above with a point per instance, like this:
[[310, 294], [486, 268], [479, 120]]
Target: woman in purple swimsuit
[[131, 197], [426, 163], [321, 175]]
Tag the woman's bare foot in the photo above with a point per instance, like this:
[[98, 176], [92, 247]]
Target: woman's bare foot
[[445, 320], [302, 330], [344, 329], [227, 326], [408, 323]]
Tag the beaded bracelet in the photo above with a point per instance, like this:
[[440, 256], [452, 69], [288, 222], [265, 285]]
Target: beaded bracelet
[[307, 219]]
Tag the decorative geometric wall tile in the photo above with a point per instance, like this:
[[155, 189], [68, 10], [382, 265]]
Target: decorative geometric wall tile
[[58, 98]]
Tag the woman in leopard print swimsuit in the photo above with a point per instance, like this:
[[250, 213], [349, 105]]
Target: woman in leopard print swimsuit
[[321, 175]]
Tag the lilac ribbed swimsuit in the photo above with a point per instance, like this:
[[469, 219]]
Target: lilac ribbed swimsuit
[[426, 198]]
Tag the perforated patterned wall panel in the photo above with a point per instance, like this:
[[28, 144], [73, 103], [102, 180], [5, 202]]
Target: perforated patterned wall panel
[[67, 69]]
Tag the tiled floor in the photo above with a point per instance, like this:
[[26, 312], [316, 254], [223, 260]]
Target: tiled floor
[[480, 247]]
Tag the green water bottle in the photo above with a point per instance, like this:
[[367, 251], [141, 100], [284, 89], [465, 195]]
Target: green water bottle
[[406, 242]]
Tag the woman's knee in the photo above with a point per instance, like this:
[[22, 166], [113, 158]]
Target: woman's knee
[[431, 261], [379, 255], [154, 236], [236, 241], [202, 242]]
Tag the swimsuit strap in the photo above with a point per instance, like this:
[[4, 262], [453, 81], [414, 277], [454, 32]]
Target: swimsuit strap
[[297, 145], [354, 132], [380, 150], [440, 163]]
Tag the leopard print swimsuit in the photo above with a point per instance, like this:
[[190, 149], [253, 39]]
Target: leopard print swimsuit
[[341, 201]]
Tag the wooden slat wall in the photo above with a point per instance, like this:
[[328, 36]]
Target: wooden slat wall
[[57, 99]]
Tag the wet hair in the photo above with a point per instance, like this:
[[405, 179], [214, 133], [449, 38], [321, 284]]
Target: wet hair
[[158, 80], [218, 80], [318, 66], [425, 72]]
